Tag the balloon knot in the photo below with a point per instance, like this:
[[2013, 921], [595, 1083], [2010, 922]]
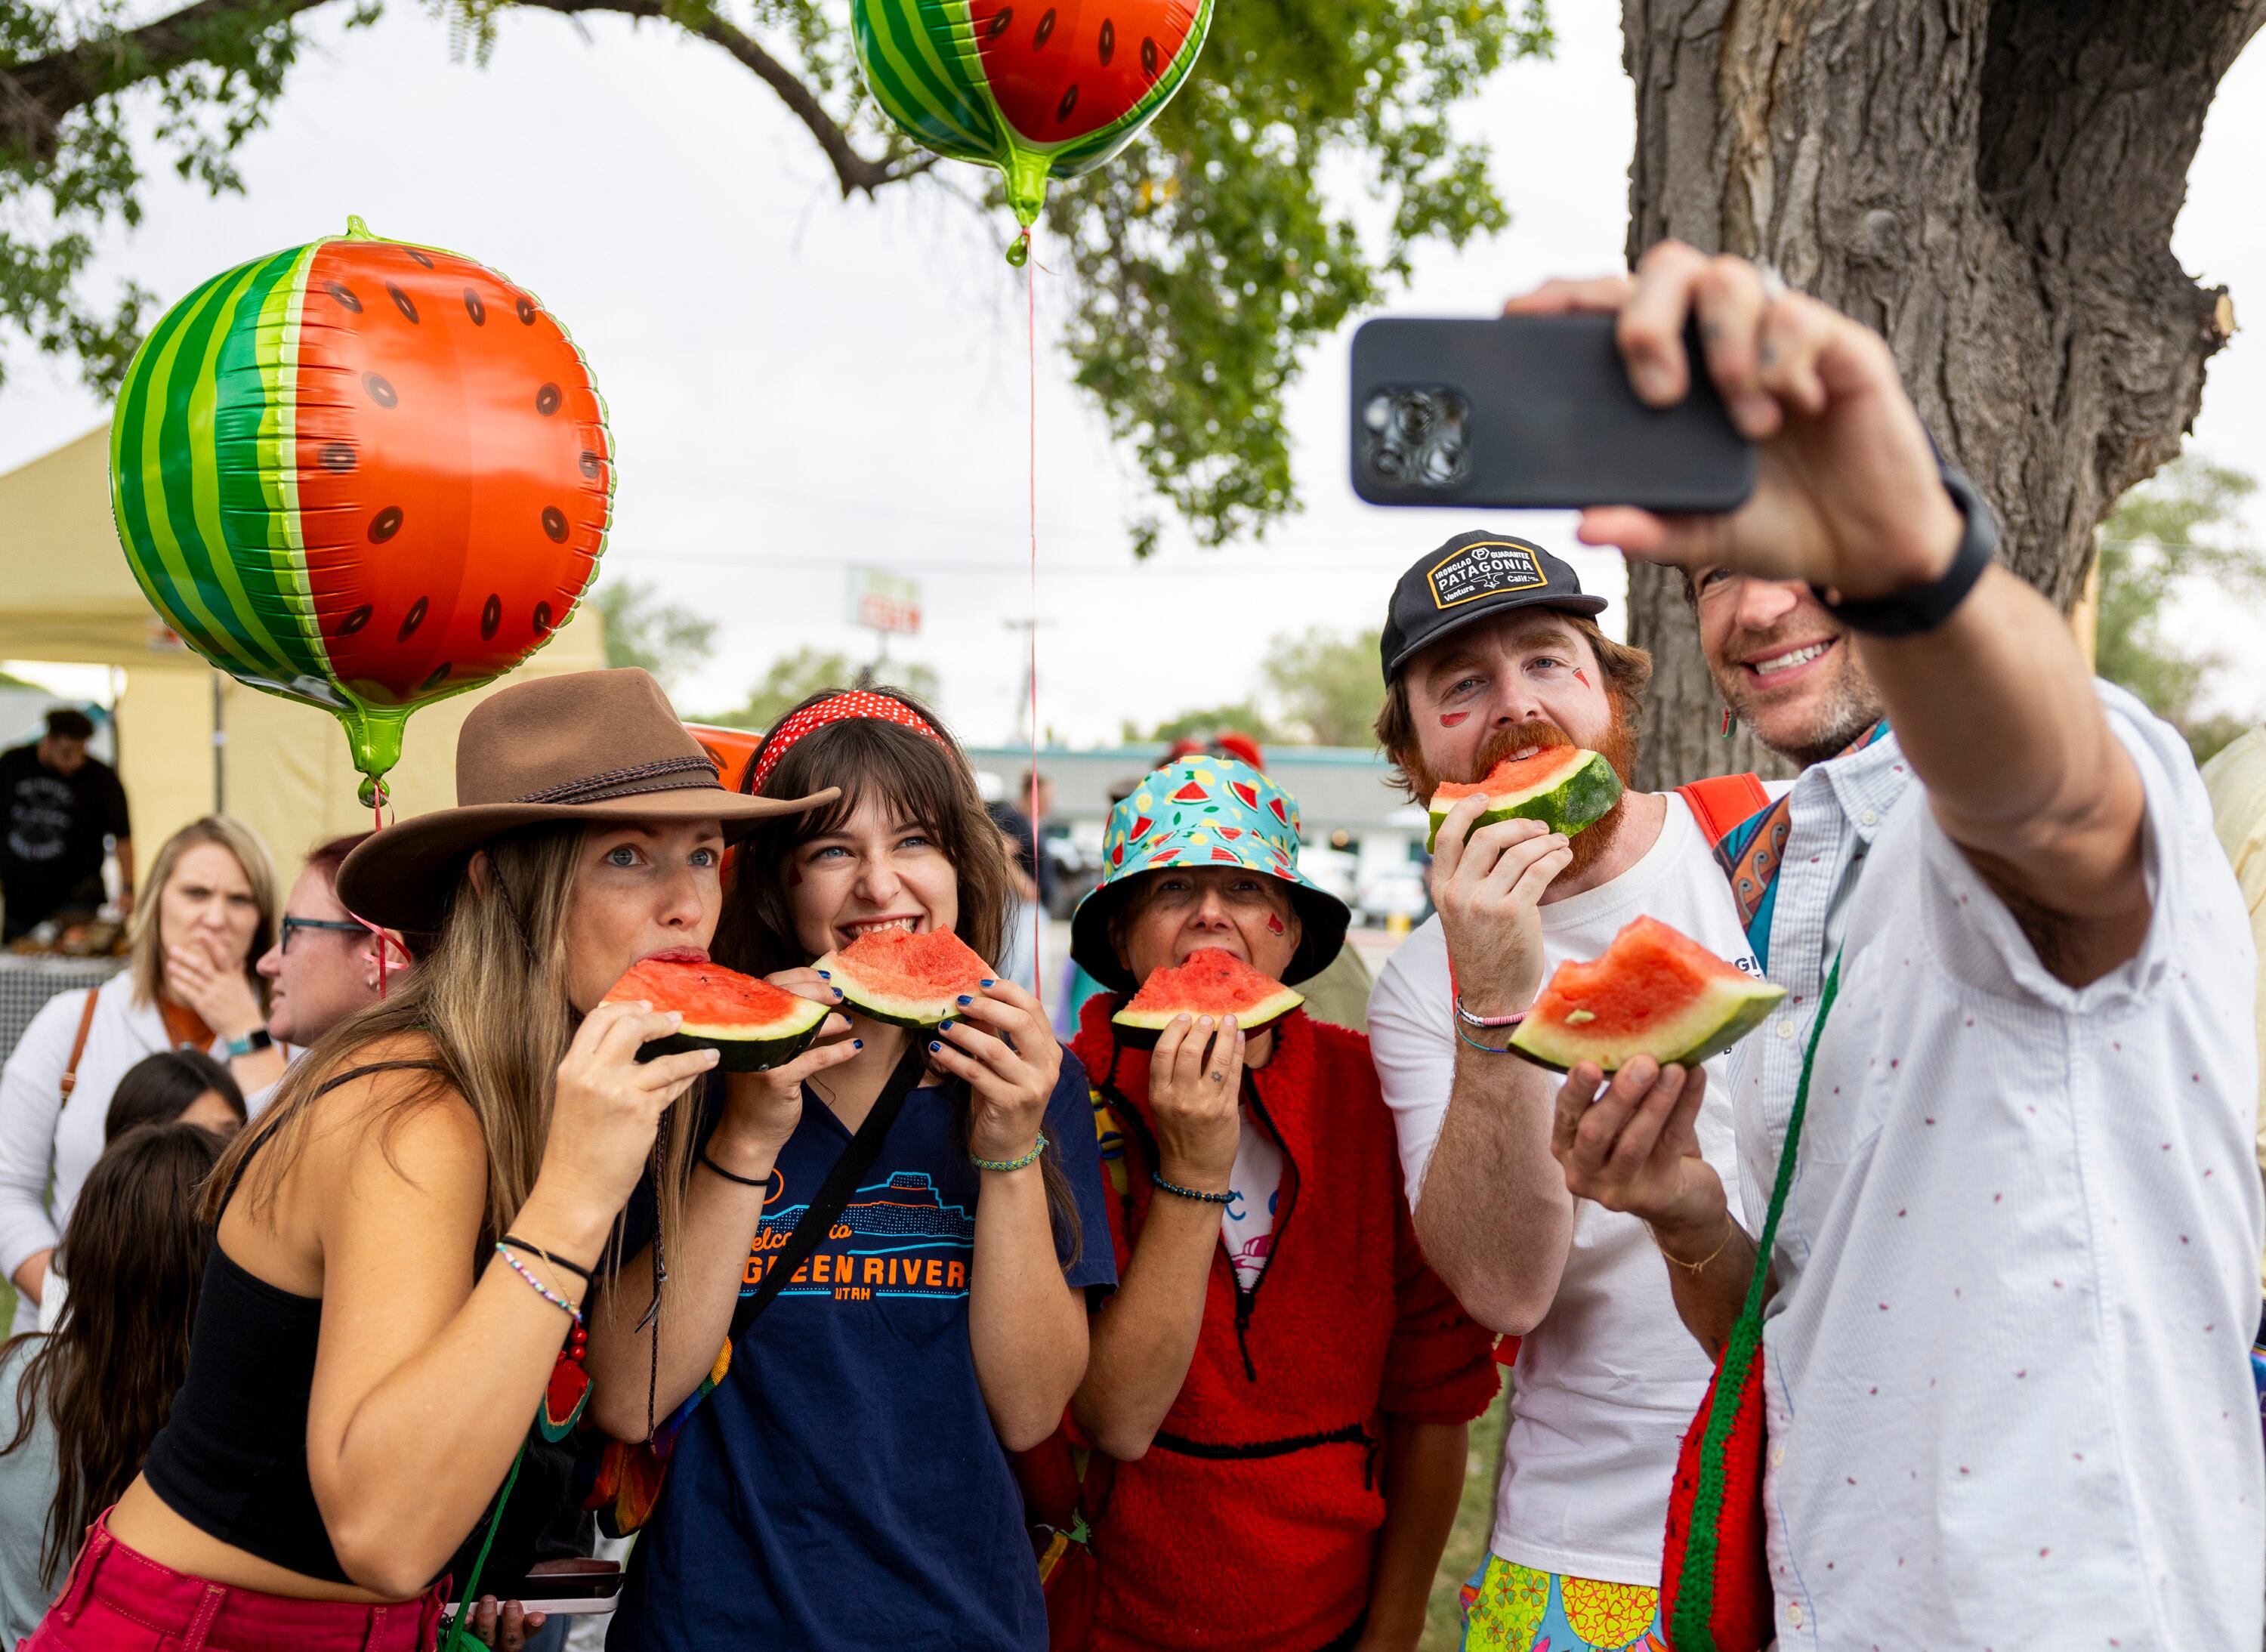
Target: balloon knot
[[1019, 250]]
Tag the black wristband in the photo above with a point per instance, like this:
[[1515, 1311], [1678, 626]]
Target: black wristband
[[745, 1181], [519, 1243], [1922, 608]]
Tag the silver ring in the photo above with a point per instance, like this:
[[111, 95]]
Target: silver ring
[[1774, 287]]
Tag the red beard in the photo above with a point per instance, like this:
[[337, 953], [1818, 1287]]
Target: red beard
[[1618, 748]]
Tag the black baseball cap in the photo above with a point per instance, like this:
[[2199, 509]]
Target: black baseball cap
[[1472, 577]]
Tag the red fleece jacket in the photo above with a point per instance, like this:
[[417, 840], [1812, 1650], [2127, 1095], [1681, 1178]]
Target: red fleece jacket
[[1252, 1522]]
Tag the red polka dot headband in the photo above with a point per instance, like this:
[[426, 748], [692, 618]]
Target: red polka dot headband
[[840, 708]]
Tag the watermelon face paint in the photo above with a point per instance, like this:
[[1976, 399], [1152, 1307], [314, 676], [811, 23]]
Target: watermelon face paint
[[1275, 925], [1580, 677], [1454, 720]]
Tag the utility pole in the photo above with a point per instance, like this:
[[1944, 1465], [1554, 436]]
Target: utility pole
[[1026, 731]]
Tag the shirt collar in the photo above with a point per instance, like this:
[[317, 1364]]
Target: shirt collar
[[1863, 785]]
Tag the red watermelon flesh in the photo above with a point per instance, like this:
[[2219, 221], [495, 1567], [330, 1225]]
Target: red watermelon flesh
[[1211, 981], [1061, 69], [1565, 788], [452, 468], [1655, 992], [907, 980], [751, 1024]]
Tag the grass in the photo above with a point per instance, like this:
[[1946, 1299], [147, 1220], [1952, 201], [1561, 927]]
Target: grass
[[1467, 1542]]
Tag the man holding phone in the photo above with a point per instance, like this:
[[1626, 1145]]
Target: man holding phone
[[2006, 1380], [1491, 648]]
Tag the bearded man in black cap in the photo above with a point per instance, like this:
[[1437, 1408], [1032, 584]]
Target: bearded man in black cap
[[1491, 649]]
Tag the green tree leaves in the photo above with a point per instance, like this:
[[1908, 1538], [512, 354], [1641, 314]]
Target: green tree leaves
[[642, 629], [1207, 258]]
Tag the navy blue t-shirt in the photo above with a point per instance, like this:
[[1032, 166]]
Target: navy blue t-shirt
[[844, 1487]]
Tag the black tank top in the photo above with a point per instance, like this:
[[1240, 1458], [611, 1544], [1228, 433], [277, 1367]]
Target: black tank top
[[232, 1459]]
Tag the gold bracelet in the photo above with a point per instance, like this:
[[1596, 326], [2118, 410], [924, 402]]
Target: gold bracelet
[[1729, 1227]]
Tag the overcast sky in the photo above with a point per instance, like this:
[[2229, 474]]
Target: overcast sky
[[797, 385]]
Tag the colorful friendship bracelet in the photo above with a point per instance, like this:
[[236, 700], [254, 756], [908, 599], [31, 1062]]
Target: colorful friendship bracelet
[[1027, 1159], [541, 1289], [1492, 1050], [1178, 1191], [1491, 1021]]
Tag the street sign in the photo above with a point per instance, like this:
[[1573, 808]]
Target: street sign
[[885, 602]]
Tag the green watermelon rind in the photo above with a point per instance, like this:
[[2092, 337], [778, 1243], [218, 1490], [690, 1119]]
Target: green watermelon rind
[[891, 1009], [1725, 1012], [1580, 798], [747, 1049], [1140, 1029]]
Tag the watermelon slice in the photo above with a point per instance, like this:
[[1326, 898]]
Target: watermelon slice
[[751, 1024], [1209, 981], [1564, 787], [907, 980], [1656, 992]]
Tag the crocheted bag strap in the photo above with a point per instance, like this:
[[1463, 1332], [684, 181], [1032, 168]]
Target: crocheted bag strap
[[1695, 1599]]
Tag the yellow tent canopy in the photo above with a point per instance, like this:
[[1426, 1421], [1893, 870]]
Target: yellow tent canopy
[[280, 766]]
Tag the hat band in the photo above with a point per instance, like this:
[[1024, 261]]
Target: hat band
[[670, 774]]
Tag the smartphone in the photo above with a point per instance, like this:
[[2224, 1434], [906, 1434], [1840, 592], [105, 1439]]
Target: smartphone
[[1532, 412], [561, 1588]]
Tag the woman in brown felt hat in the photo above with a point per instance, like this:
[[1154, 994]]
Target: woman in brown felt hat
[[405, 1242]]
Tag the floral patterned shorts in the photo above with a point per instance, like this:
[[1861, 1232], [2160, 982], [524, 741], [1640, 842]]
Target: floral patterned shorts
[[1513, 1608]]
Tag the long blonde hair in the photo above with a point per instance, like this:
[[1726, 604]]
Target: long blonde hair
[[145, 946], [489, 1002]]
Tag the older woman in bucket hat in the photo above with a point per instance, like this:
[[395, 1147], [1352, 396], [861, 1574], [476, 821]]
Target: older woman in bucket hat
[[405, 1241], [1280, 1385]]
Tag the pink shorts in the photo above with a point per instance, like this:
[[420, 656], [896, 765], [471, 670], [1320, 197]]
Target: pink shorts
[[121, 1601]]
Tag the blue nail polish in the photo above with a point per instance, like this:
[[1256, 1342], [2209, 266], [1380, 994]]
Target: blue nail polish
[[935, 1049], [964, 998], [987, 984], [836, 991], [944, 1024], [826, 975], [857, 1043]]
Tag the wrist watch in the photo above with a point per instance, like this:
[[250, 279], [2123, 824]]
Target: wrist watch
[[1922, 608], [258, 1038]]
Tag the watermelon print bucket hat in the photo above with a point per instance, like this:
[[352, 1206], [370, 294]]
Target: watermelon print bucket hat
[[1204, 811]]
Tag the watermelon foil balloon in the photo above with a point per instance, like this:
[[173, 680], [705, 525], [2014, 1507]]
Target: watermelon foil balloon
[[1038, 89], [361, 474]]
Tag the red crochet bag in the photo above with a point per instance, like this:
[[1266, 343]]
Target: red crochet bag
[[1714, 1573]]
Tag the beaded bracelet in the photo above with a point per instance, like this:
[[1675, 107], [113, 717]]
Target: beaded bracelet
[[541, 1289], [1027, 1161], [1469, 1019], [1178, 1191]]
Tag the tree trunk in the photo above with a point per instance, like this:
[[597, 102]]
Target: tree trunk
[[1990, 183]]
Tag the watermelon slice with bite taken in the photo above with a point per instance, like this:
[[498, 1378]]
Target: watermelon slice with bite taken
[[1564, 787], [751, 1024], [906, 980], [1656, 992], [1209, 981]]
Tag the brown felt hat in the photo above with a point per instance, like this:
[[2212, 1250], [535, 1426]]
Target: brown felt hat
[[588, 745]]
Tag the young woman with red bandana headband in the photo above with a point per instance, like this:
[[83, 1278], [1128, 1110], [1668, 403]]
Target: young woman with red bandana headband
[[846, 1482]]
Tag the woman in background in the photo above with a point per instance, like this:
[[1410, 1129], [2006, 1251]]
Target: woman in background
[[79, 1407], [207, 912]]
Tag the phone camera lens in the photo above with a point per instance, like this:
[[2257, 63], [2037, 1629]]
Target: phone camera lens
[[1415, 437], [1379, 413]]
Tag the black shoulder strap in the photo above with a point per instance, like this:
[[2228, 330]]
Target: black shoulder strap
[[833, 1196]]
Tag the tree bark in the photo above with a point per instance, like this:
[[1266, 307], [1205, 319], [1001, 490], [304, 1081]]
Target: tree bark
[[1990, 183]]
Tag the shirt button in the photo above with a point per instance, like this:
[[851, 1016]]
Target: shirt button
[[1794, 1613], [1868, 818], [1784, 1027]]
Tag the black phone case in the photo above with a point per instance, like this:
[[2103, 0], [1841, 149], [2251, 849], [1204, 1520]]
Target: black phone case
[[1548, 420]]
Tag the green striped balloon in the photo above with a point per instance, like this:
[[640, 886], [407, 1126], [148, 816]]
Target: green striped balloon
[[1038, 89], [363, 475]]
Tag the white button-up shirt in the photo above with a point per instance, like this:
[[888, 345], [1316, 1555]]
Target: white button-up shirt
[[2007, 1378]]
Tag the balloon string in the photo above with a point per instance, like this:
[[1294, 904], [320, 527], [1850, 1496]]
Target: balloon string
[[1031, 340], [378, 824]]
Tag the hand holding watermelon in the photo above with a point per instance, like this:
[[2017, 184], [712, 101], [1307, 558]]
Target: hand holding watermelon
[[604, 1113], [1195, 1090], [762, 1109], [1635, 1148], [1000, 1042], [1488, 885]]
